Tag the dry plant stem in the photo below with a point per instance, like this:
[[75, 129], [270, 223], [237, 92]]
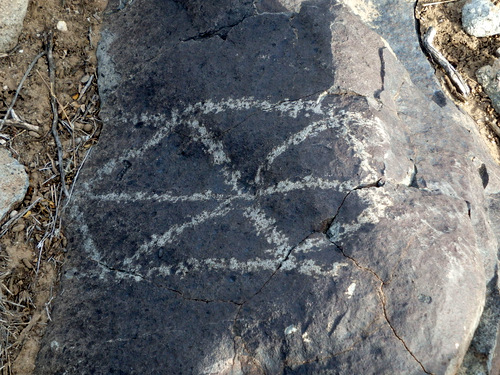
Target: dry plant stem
[[86, 87], [11, 222], [51, 232], [76, 177], [53, 104], [438, 57], [439, 2], [19, 87], [22, 125]]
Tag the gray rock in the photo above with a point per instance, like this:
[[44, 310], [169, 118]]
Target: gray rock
[[271, 195], [13, 182], [12, 13], [481, 18], [489, 77], [480, 358], [394, 20]]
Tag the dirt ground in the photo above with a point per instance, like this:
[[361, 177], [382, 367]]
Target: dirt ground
[[467, 54], [32, 247]]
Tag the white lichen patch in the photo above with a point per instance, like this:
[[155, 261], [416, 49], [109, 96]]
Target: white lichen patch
[[220, 359], [364, 9], [305, 338], [350, 290], [290, 329]]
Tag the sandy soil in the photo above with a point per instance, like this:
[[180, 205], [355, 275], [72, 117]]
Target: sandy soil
[[32, 250], [467, 54]]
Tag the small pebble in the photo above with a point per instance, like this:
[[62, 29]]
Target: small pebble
[[87, 128], [18, 228], [27, 263], [85, 78], [34, 134], [13, 213], [61, 26], [487, 76]]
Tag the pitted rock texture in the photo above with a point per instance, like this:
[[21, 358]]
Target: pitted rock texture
[[489, 77], [271, 195], [13, 182], [481, 18], [12, 13]]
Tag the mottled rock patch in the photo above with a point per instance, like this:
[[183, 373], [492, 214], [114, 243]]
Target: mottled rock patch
[[12, 13], [13, 182]]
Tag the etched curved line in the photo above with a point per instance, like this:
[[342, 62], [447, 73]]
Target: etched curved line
[[176, 230], [309, 182], [289, 107], [165, 197], [309, 267]]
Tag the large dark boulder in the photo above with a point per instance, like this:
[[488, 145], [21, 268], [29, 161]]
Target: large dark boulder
[[271, 195]]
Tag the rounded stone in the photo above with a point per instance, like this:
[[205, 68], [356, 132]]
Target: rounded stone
[[489, 78], [18, 228], [88, 128], [62, 26], [14, 182], [481, 18], [12, 13]]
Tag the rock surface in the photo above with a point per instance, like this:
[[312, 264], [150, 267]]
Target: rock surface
[[12, 13], [394, 20], [13, 182], [271, 195], [489, 77], [481, 18]]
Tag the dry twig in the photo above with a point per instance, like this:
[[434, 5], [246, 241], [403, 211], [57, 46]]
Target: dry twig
[[23, 125], [11, 222], [454, 76], [439, 2], [19, 87], [53, 104], [75, 178]]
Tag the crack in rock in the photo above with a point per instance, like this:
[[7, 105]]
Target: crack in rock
[[377, 93], [327, 223], [380, 292], [236, 336], [324, 227], [382, 297], [139, 277], [221, 32]]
